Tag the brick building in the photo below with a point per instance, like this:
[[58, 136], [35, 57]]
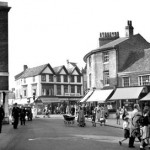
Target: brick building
[[4, 69], [109, 65]]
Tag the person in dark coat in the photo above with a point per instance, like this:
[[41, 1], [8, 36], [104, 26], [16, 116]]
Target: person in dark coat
[[15, 114], [22, 116], [72, 110], [2, 114]]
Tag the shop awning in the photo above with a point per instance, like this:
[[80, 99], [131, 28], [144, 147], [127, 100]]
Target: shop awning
[[100, 96], [127, 93], [86, 96], [146, 98], [49, 99]]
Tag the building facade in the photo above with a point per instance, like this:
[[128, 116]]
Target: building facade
[[49, 85], [4, 69], [118, 63], [114, 55]]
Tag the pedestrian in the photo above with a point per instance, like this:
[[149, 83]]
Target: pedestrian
[[126, 129], [98, 112], [15, 114], [118, 116], [72, 110], [22, 116], [67, 110], [124, 112], [94, 117], [145, 129], [2, 114], [135, 114], [102, 116]]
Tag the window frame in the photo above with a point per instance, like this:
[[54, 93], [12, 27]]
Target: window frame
[[43, 77], [140, 80], [51, 78], [124, 84], [106, 78], [105, 57]]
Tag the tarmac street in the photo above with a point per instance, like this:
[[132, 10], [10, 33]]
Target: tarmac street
[[51, 133]]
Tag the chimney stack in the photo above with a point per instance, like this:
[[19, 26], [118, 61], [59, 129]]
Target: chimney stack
[[25, 67], [106, 37], [129, 29]]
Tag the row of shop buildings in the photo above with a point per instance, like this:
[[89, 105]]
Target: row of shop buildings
[[119, 70], [49, 87]]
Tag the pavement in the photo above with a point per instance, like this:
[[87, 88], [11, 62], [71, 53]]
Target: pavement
[[109, 122]]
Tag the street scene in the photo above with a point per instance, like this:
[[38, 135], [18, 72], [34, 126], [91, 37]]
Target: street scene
[[52, 133], [74, 75]]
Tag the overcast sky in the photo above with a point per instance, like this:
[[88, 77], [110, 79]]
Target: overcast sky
[[52, 31]]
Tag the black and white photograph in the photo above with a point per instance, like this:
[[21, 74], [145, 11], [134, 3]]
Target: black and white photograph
[[74, 74]]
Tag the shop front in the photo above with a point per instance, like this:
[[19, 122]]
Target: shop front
[[128, 96]]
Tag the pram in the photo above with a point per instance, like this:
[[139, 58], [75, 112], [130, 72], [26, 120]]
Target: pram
[[68, 119]]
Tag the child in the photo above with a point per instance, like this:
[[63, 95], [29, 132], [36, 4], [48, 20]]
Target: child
[[126, 129]]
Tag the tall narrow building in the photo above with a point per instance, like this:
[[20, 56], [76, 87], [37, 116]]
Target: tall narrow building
[[4, 69]]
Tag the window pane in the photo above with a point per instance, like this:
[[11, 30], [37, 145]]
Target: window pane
[[79, 79], [72, 78], [43, 77], [106, 57], [126, 81], [65, 88], [79, 89], [58, 89], [50, 78], [58, 78], [106, 78], [72, 89], [65, 78]]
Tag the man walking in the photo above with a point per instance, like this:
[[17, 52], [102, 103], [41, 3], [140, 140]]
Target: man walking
[[15, 114], [135, 114], [22, 116], [2, 114]]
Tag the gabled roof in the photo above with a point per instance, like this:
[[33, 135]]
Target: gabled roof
[[142, 64], [30, 72], [71, 70], [59, 68]]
